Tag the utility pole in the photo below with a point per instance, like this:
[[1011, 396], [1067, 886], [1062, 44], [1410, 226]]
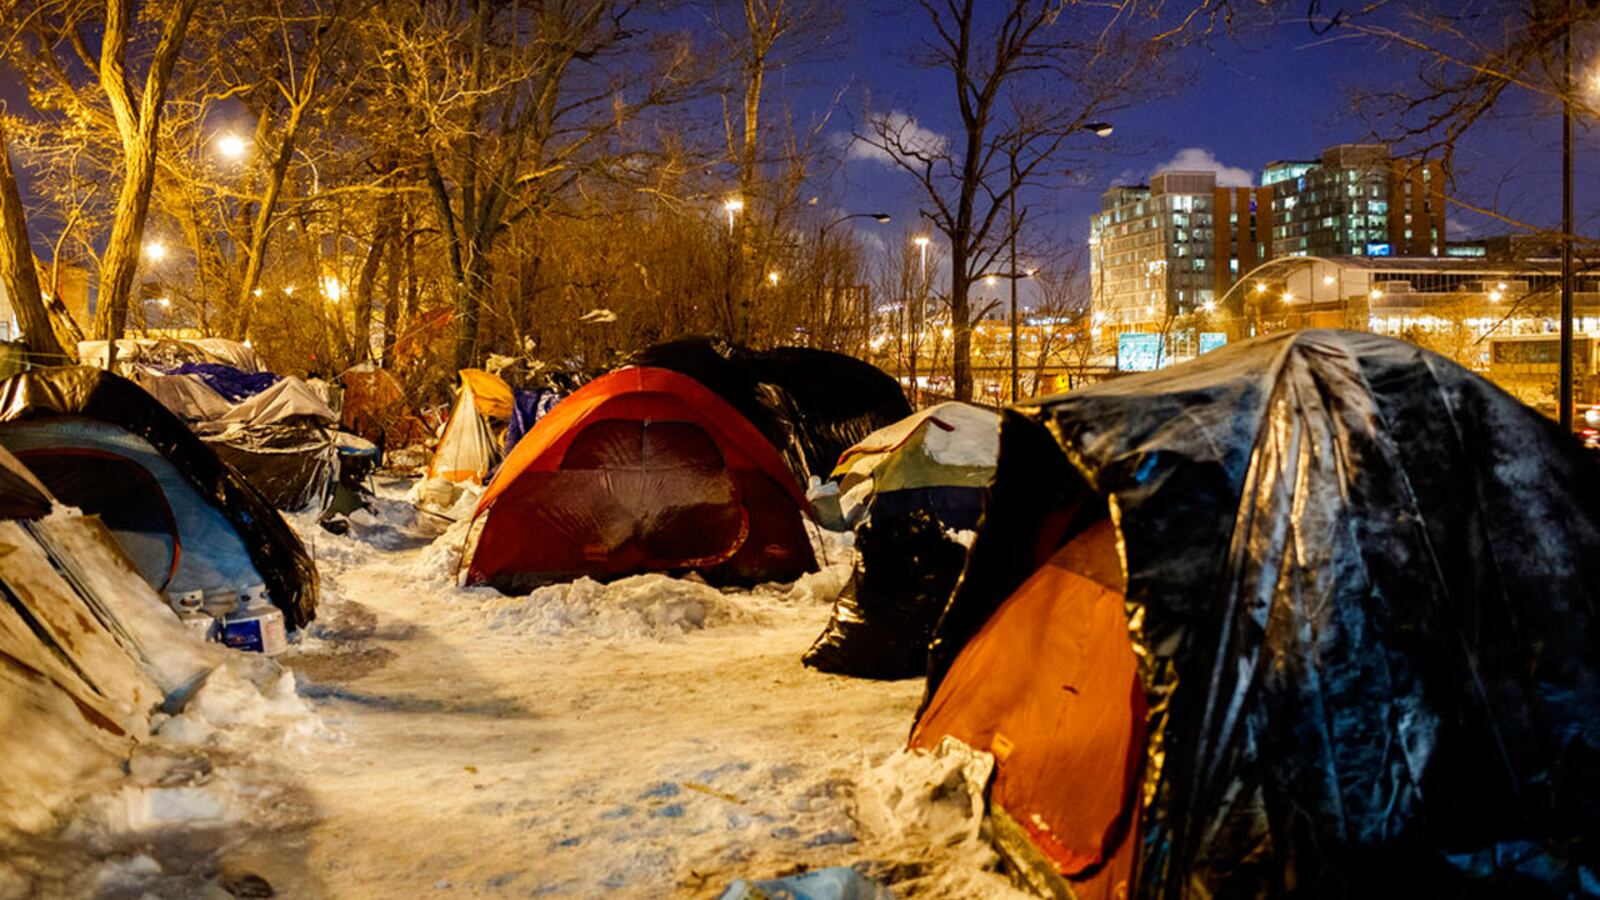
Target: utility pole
[[1564, 392]]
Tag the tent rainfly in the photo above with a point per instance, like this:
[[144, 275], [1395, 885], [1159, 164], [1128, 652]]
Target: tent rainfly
[[1315, 614], [641, 470], [939, 459]]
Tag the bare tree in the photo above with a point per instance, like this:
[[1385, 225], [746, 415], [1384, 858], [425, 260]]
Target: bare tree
[[17, 272], [1029, 77]]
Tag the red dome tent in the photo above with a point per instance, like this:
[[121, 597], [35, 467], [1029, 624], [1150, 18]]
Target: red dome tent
[[643, 470]]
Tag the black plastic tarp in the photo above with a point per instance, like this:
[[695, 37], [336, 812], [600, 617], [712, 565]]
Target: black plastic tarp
[[287, 570], [293, 464], [811, 404], [882, 621], [1362, 585]]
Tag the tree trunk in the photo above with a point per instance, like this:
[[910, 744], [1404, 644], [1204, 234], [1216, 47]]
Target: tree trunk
[[139, 129], [17, 272], [362, 341], [255, 254], [391, 295], [469, 301]]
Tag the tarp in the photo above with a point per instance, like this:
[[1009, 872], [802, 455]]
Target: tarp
[[1361, 585], [187, 396], [285, 400], [233, 384], [810, 404], [165, 353], [527, 410], [641, 470], [467, 451], [939, 459], [493, 395], [882, 621], [75, 391]]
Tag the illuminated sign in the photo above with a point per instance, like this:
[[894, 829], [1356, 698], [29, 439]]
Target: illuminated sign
[[1380, 250], [1211, 340], [1138, 352]]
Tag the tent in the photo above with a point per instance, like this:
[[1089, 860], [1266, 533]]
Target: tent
[[87, 653], [187, 519], [1356, 588], [375, 408], [810, 404], [640, 470], [940, 459], [278, 432], [467, 450]]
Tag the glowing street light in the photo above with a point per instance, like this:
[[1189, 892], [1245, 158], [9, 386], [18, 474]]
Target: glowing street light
[[1288, 297], [733, 205], [1261, 287], [332, 287], [1494, 296], [1209, 306], [1375, 294], [1327, 280], [155, 251], [232, 146], [772, 278]]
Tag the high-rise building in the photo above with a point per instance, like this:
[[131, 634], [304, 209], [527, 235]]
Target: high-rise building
[[1176, 245], [1173, 246], [1357, 200]]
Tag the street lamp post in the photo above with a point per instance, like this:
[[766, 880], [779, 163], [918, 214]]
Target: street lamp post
[[816, 265], [921, 241]]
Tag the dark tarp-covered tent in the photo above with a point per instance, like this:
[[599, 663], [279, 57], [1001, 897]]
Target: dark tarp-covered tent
[[811, 404], [100, 442], [643, 470], [1360, 588]]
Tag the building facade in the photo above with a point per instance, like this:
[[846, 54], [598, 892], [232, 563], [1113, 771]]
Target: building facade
[[1357, 200], [1176, 245], [1173, 246]]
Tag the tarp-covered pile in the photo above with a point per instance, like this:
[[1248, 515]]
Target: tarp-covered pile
[[810, 404], [168, 353], [86, 655], [277, 431], [1360, 590], [939, 459], [184, 515]]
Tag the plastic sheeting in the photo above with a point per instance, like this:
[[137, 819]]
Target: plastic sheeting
[[1361, 582], [165, 353], [810, 404], [527, 410], [276, 553], [232, 384], [882, 622]]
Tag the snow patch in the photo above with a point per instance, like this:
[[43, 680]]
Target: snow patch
[[820, 587], [232, 709], [935, 799], [643, 606]]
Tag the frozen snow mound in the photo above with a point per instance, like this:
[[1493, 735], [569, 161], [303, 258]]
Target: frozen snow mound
[[642, 606]]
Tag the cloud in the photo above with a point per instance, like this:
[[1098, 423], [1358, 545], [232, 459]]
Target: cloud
[[1199, 159], [903, 133]]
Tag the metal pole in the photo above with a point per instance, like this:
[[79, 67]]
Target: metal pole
[[1564, 398]]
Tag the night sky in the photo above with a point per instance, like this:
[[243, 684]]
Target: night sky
[[1244, 101], [1240, 103]]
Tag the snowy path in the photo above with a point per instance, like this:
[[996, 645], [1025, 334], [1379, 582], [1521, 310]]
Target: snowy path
[[477, 761]]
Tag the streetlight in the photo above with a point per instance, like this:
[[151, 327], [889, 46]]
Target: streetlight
[[816, 265], [155, 251], [232, 146], [1099, 129], [733, 205], [921, 241], [772, 278]]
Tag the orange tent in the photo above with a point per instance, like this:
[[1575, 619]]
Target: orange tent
[[641, 470], [1049, 685]]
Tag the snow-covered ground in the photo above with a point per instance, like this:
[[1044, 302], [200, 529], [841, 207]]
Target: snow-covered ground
[[648, 738]]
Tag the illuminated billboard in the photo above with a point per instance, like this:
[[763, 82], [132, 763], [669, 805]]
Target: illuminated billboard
[[1138, 352], [1211, 340]]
